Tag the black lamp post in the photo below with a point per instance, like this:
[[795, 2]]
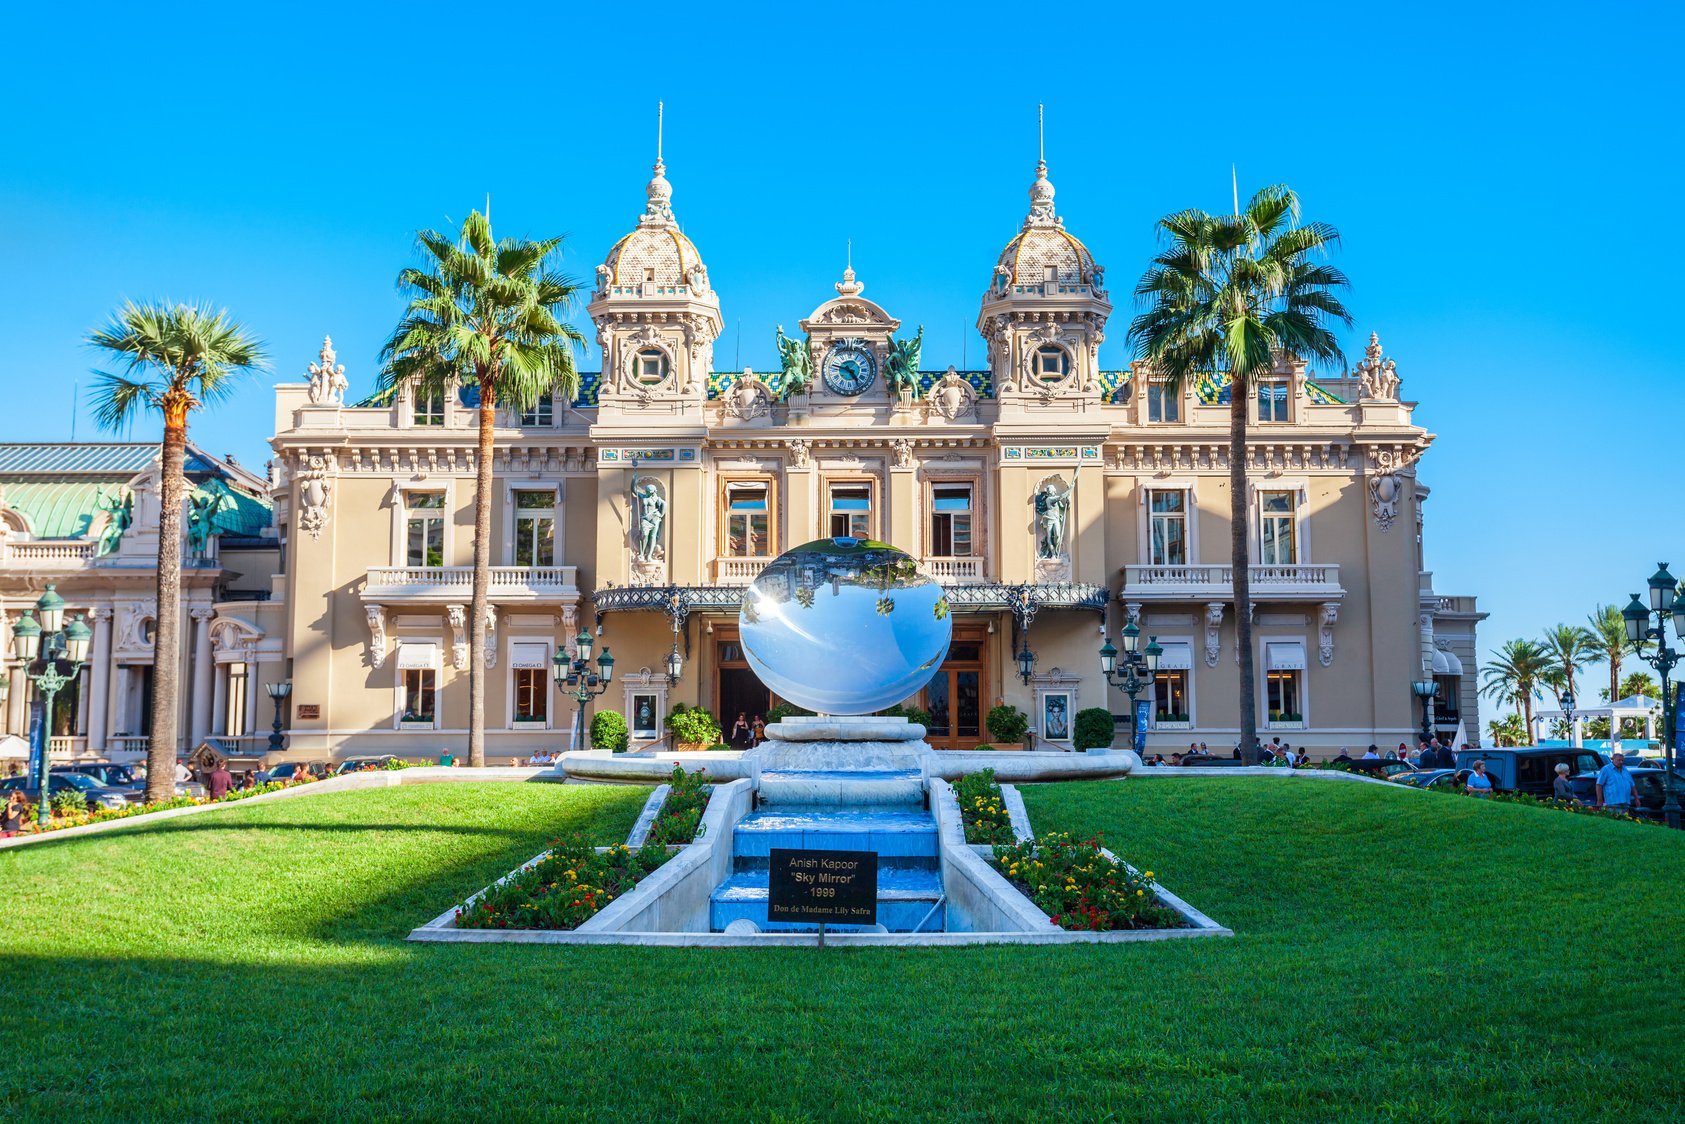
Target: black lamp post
[[1664, 603], [278, 692], [1565, 702], [1426, 690], [575, 678], [54, 654], [1137, 670]]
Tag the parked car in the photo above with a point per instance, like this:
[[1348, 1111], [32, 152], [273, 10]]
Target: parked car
[[1207, 761], [1529, 769], [96, 795], [292, 770], [1389, 767], [355, 764], [1648, 783], [119, 777], [1454, 780]]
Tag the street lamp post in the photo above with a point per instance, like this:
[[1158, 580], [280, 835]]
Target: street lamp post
[[575, 678], [1565, 702], [1137, 671], [278, 692], [1664, 603], [54, 654], [1426, 690]]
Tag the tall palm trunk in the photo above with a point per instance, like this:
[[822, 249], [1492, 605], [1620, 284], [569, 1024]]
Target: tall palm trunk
[[482, 577], [1240, 558], [166, 637], [1615, 691]]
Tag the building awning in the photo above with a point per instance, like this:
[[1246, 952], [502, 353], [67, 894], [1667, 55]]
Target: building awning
[[1446, 663], [1178, 656], [418, 654], [526, 655], [1284, 655]]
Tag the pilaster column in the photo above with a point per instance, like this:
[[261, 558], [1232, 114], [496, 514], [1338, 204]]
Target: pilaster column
[[203, 666], [219, 699], [96, 693], [252, 693], [16, 699]]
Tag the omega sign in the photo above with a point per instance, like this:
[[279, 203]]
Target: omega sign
[[827, 887]]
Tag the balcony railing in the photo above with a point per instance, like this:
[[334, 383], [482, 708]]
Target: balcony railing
[[37, 553], [1299, 581], [738, 571], [66, 748], [954, 571], [455, 583]]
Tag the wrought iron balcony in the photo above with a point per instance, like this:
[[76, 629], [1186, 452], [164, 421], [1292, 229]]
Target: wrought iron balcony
[[1296, 582], [454, 584]]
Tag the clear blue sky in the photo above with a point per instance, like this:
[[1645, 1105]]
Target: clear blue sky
[[1493, 172]]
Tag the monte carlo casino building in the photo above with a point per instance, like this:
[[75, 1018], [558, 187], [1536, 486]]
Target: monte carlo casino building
[[1049, 497]]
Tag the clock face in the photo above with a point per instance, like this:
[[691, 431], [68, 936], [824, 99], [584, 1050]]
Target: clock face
[[850, 369]]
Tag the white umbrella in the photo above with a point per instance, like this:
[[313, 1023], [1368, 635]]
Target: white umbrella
[[1462, 736]]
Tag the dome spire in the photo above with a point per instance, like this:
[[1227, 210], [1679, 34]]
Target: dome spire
[[848, 286], [1041, 192], [659, 209]]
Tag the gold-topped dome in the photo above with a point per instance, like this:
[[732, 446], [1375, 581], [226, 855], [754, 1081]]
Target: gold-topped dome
[[1043, 251], [656, 251]]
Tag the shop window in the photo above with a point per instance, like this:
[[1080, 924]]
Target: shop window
[[1170, 695], [529, 666]]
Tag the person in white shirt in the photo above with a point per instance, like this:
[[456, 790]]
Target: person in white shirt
[[1370, 754], [183, 773]]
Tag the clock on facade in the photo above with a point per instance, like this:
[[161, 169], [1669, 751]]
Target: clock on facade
[[850, 369]]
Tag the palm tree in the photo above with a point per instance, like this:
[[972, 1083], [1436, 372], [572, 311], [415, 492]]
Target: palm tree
[[1609, 640], [1570, 648], [485, 313], [1514, 675], [1229, 296], [176, 358], [1507, 730]]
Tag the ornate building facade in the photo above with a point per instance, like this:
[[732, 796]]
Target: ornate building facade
[[1052, 499], [83, 517]]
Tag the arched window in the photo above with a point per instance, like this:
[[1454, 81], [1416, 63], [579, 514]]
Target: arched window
[[650, 366], [1052, 363]]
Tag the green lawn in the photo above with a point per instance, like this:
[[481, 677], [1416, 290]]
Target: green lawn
[[1399, 955]]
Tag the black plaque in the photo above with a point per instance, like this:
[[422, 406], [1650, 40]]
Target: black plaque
[[827, 887]]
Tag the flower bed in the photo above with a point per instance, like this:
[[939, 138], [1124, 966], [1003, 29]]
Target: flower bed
[[1080, 887], [565, 888], [680, 820], [982, 808], [77, 819]]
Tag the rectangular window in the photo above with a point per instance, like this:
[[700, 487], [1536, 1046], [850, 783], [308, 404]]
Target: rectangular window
[[1168, 511], [535, 528], [1281, 689], [1162, 405], [645, 716], [419, 694], [1170, 695], [1275, 528], [543, 411], [235, 723], [747, 515], [851, 510], [424, 528], [1272, 402], [529, 665], [950, 521], [428, 408]]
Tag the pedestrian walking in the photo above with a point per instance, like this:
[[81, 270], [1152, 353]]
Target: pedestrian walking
[[219, 781], [1561, 788], [1479, 784], [1615, 786], [14, 814]]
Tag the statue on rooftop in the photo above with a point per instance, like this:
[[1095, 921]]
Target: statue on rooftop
[[798, 363], [901, 372], [119, 508]]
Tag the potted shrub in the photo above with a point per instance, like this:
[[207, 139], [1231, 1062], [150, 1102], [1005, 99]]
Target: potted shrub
[[693, 728], [608, 731], [1007, 724], [1094, 729]]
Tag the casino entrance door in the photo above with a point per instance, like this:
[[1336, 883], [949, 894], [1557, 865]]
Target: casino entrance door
[[954, 696], [736, 687]]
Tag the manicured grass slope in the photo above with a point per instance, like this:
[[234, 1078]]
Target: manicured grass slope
[[1399, 955]]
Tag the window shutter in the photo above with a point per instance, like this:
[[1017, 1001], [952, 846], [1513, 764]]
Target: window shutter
[[528, 655]]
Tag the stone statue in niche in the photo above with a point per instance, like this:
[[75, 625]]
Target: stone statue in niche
[[1053, 507], [652, 515]]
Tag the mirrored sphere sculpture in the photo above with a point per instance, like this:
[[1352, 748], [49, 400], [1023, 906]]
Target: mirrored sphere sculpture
[[844, 626]]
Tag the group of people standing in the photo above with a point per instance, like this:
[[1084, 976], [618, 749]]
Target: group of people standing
[[746, 732]]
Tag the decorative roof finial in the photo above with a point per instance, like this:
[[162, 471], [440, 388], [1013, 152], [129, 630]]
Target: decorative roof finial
[[1041, 192], [848, 286], [659, 210], [1373, 351]]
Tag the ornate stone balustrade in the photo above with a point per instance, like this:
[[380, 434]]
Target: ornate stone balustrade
[[1301, 581], [738, 571], [441, 584], [47, 553], [950, 571]]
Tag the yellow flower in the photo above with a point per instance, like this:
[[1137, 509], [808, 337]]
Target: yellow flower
[[1140, 893], [1149, 874]]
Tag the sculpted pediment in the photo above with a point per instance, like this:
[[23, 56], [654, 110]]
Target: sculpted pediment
[[850, 312]]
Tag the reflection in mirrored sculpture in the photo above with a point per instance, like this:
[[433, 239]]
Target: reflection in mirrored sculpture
[[844, 626]]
